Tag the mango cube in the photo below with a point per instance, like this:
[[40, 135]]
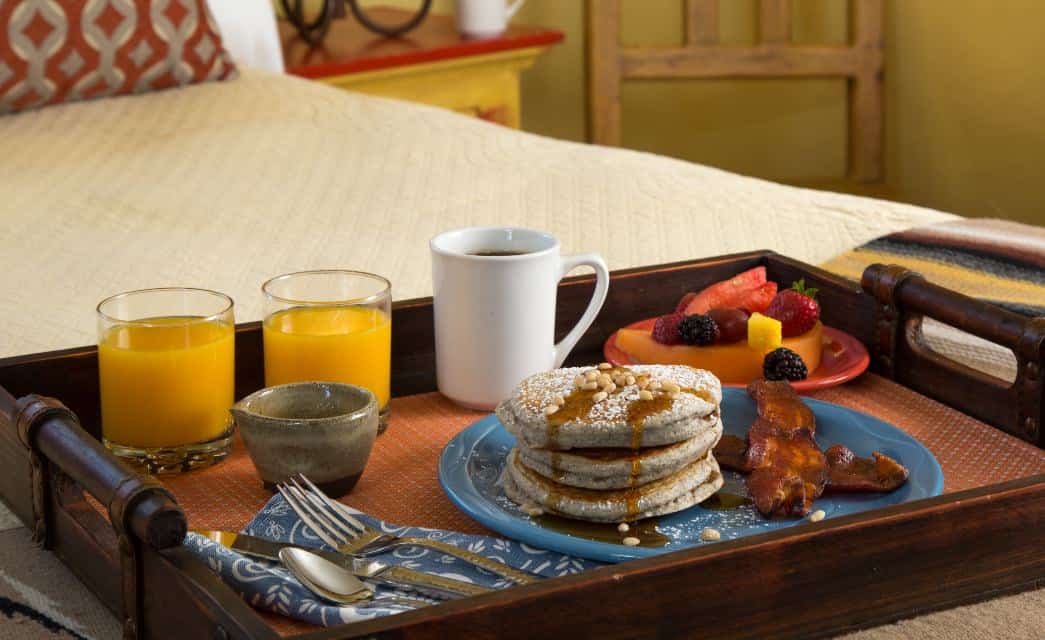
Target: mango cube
[[764, 334]]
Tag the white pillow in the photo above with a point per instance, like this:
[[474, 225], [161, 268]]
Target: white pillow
[[248, 30]]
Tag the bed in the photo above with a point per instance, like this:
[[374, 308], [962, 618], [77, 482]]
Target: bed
[[222, 185]]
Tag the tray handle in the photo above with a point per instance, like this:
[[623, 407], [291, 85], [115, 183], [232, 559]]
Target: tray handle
[[141, 510], [135, 503], [900, 352]]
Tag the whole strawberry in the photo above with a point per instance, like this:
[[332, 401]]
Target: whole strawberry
[[796, 309], [666, 328]]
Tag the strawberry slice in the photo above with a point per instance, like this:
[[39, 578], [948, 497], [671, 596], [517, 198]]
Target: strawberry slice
[[684, 302], [757, 300], [730, 293]]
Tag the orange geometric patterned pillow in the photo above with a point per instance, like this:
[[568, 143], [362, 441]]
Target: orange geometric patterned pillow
[[54, 51]]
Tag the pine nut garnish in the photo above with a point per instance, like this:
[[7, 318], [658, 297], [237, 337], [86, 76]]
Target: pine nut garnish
[[579, 381], [817, 515], [605, 365], [591, 375], [604, 380], [550, 409], [671, 387], [643, 383], [610, 388], [559, 400], [629, 380], [672, 395], [531, 510], [623, 527], [655, 385], [710, 535], [631, 541], [645, 395], [600, 396], [590, 385]]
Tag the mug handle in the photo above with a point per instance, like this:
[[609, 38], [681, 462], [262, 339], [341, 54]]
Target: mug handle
[[515, 6], [602, 285]]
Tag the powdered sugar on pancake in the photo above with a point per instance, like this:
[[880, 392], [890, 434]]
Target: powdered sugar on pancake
[[540, 390]]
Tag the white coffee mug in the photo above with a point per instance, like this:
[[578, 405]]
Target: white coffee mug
[[495, 314], [485, 18]]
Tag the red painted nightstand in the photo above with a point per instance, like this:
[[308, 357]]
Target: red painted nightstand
[[432, 64]]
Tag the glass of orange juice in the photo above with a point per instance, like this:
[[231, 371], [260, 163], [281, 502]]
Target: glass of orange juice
[[166, 361], [330, 326]]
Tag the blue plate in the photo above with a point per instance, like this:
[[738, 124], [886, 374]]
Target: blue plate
[[471, 464]]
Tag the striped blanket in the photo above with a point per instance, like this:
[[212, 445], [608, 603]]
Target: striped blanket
[[997, 261]]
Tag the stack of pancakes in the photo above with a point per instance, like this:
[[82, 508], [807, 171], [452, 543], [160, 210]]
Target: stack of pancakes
[[613, 444]]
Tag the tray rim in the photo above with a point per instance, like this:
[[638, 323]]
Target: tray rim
[[806, 533], [218, 607]]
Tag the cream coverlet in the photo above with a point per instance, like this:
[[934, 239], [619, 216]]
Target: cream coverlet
[[226, 184]]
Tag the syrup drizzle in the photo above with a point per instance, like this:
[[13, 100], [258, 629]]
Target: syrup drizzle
[[723, 501], [578, 405], [645, 530], [631, 503], [557, 466]]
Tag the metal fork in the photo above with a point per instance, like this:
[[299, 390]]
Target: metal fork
[[334, 523]]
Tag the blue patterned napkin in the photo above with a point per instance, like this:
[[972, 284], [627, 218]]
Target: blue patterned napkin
[[268, 586]]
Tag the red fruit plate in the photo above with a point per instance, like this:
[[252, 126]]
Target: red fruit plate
[[843, 358]]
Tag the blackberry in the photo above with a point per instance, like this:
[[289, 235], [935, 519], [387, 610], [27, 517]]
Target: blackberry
[[784, 364], [700, 330]]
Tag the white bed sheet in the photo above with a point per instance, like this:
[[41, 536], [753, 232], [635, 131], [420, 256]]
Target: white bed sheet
[[225, 185]]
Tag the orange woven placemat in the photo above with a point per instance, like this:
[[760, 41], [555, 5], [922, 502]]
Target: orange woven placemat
[[400, 483]]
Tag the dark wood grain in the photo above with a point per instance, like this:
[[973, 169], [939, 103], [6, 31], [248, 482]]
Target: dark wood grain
[[805, 581], [85, 542], [185, 599], [899, 350]]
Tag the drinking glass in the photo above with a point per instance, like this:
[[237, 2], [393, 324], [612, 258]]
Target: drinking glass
[[330, 326], [166, 367]]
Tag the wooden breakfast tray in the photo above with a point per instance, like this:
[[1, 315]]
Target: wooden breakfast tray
[[981, 538]]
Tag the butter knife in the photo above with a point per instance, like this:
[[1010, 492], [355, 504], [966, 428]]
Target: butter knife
[[433, 586]]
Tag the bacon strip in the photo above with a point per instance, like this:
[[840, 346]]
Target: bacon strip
[[779, 455], [788, 469], [846, 472], [730, 453]]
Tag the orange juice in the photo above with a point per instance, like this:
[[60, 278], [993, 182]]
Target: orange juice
[[331, 344], [166, 382]]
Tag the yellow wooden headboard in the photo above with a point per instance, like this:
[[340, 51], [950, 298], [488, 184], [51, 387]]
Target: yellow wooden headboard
[[774, 56]]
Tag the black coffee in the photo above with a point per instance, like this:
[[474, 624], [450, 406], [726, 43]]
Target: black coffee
[[496, 253]]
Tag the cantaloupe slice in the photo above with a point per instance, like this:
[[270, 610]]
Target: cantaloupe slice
[[732, 363]]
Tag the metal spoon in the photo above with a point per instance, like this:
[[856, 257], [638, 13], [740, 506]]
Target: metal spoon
[[324, 578], [334, 583]]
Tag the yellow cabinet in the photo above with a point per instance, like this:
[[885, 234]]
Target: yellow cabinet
[[431, 64]]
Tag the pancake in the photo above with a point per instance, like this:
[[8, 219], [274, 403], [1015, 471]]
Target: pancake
[[618, 468], [622, 419], [688, 486]]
